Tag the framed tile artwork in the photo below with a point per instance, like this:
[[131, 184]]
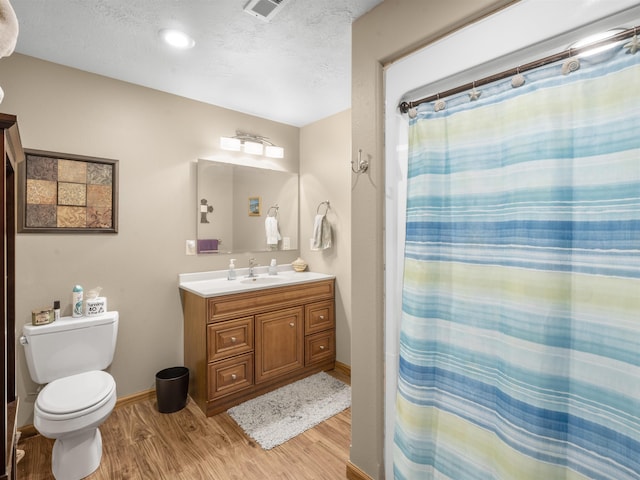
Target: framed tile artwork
[[64, 193], [254, 206]]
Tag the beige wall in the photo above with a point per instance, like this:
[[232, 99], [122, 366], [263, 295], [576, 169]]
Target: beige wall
[[384, 35], [325, 175], [157, 138]]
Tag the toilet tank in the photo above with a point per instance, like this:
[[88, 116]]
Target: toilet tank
[[69, 346]]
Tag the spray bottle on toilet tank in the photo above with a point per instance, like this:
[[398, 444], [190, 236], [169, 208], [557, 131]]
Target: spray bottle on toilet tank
[[76, 304]]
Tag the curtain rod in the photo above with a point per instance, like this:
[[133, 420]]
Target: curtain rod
[[405, 106]]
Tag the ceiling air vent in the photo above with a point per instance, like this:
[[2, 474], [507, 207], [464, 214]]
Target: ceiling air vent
[[264, 9]]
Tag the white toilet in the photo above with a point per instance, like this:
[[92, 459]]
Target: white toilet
[[68, 356]]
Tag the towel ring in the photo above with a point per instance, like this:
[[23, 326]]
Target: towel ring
[[275, 213], [326, 204]]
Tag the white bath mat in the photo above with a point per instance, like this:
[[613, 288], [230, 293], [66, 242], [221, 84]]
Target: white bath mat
[[275, 417]]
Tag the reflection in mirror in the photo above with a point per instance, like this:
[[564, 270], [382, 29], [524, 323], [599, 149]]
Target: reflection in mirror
[[246, 209]]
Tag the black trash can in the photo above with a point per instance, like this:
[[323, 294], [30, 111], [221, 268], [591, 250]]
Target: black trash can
[[172, 387]]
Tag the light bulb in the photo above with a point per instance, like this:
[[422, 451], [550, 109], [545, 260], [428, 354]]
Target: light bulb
[[177, 39]]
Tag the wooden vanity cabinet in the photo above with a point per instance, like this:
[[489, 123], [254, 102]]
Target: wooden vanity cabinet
[[239, 346]]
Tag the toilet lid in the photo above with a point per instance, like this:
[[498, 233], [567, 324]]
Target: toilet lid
[[75, 393]]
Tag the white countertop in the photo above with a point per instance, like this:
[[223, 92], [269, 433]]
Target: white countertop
[[215, 283]]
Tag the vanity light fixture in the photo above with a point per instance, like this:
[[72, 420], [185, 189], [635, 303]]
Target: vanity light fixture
[[176, 38], [231, 143], [254, 148], [252, 144]]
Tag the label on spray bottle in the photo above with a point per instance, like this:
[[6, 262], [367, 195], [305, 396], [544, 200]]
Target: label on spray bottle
[[76, 303]]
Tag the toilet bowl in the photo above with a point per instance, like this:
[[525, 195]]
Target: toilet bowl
[[68, 357], [70, 410]]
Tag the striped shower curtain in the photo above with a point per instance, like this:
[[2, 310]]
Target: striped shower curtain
[[520, 327]]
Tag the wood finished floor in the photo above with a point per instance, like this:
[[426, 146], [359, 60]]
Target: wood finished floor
[[141, 443]]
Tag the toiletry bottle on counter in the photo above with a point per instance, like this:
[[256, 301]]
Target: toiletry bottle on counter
[[232, 269], [56, 310], [76, 303], [273, 268]]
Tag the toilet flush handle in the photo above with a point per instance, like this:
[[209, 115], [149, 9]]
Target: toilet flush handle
[[23, 340]]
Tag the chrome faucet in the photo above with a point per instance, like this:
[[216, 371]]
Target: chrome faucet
[[252, 263]]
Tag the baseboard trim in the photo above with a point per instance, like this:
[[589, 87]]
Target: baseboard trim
[[344, 369], [135, 398], [27, 431], [30, 431], [354, 473]]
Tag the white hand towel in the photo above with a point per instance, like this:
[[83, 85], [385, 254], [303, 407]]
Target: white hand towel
[[272, 231], [317, 232], [321, 233]]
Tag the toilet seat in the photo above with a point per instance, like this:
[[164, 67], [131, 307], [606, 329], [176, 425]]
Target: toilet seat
[[77, 394]]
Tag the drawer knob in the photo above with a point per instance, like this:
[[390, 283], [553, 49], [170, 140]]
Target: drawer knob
[[233, 339], [292, 324], [233, 376], [321, 317], [321, 347]]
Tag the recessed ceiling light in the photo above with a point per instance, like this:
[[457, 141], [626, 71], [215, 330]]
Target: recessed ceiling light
[[176, 38]]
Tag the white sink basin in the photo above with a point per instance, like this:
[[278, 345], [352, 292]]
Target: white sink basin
[[261, 280], [215, 283]]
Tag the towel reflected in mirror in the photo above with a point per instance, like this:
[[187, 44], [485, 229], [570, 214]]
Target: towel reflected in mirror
[[272, 231]]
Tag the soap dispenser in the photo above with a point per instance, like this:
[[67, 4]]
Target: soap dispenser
[[273, 268], [232, 270]]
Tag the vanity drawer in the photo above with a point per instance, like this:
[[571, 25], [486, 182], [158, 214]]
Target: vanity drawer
[[319, 347], [227, 307], [226, 339], [318, 317], [232, 375]]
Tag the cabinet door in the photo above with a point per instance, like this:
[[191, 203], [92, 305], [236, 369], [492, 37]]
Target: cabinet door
[[279, 343]]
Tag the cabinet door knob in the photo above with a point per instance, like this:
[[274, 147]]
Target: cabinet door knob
[[233, 376], [233, 339], [321, 317], [292, 324], [321, 347]]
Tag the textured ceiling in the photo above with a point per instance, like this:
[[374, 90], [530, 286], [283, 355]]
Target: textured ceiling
[[294, 69]]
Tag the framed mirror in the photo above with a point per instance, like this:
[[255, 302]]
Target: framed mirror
[[245, 209]]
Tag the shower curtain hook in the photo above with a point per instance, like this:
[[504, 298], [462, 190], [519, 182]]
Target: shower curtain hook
[[518, 79], [634, 45], [474, 94]]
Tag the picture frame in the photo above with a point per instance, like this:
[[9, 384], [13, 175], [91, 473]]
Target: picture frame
[[67, 193], [254, 206]]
